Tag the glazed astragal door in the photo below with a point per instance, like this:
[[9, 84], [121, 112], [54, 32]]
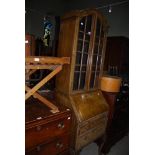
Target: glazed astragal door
[[83, 45], [97, 55], [88, 71]]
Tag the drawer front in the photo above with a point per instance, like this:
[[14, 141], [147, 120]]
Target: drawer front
[[41, 133], [86, 126], [55, 147], [89, 137]]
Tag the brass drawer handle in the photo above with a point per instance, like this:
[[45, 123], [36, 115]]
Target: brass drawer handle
[[61, 125], [59, 145]]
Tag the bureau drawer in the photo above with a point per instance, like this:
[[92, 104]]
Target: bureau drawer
[[43, 132], [88, 125], [53, 147], [90, 136]]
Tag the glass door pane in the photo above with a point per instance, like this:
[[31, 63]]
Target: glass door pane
[[82, 52], [97, 54]]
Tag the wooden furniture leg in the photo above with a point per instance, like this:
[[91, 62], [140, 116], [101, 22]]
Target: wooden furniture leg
[[101, 144]]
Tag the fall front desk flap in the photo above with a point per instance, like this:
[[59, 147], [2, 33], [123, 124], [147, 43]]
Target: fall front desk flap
[[89, 105]]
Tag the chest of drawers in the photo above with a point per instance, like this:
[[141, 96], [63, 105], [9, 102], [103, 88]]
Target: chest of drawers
[[46, 133]]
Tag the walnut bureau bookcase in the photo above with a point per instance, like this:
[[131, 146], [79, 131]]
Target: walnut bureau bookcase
[[83, 38]]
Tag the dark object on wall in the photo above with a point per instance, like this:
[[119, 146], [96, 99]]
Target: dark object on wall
[[42, 50], [29, 45], [46, 133], [83, 39], [39, 49], [51, 50], [47, 30], [117, 56]]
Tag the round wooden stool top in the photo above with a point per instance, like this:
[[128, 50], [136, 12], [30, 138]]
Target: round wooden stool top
[[110, 83]]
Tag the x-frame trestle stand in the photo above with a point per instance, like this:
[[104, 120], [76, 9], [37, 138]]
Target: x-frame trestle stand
[[33, 64]]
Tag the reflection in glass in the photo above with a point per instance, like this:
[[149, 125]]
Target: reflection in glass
[[84, 61], [76, 80], [83, 68], [92, 80], [77, 68], [82, 80], [78, 58], [82, 24], [96, 49], [94, 59], [87, 37], [86, 47], [79, 48], [81, 34]]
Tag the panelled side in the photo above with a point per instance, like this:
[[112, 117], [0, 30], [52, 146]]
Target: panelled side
[[67, 43]]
